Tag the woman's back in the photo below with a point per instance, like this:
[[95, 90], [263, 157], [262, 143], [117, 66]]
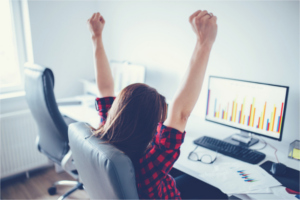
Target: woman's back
[[153, 167]]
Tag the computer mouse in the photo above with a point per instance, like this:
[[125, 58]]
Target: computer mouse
[[278, 169]]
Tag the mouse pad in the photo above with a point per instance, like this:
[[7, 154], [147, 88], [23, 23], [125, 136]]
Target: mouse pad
[[290, 179]]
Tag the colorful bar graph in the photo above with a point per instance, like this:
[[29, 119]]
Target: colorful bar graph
[[232, 111], [260, 122], [279, 130], [253, 117], [273, 118], [263, 116], [215, 111], [227, 111], [250, 115], [246, 177], [235, 110], [252, 112], [243, 108], [240, 117]]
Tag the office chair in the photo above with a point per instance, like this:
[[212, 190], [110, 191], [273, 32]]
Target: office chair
[[105, 171], [52, 139]]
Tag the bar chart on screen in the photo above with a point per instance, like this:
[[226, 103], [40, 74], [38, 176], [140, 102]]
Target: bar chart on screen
[[246, 105]]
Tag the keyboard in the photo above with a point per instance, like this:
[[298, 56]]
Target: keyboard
[[228, 149]]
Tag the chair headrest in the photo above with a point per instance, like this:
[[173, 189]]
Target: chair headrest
[[41, 69], [105, 171]]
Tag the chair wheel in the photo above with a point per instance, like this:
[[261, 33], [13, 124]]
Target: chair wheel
[[52, 190], [81, 187]]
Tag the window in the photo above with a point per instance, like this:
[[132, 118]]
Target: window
[[12, 51]]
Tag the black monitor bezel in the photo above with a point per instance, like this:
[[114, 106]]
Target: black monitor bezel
[[283, 115]]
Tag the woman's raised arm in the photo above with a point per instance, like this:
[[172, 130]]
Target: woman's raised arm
[[104, 77], [205, 27]]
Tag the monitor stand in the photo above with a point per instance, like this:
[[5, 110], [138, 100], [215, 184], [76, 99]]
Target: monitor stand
[[243, 138]]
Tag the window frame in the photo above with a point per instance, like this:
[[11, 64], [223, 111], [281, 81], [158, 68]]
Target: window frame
[[21, 40]]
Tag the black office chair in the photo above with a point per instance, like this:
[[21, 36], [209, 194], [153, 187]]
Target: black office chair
[[52, 139]]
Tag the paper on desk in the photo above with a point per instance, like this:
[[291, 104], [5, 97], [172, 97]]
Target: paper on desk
[[277, 192], [259, 191], [280, 191], [264, 196], [240, 178], [269, 196]]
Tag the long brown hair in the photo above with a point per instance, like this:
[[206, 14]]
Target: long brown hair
[[132, 120]]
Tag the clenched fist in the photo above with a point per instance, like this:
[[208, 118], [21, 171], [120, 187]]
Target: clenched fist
[[205, 26], [96, 24]]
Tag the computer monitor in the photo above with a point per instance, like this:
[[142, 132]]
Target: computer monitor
[[252, 107]]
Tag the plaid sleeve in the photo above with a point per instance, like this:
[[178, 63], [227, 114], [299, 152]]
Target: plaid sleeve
[[168, 138], [159, 160], [102, 106]]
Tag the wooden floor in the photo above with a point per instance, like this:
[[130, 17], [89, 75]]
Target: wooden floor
[[36, 187]]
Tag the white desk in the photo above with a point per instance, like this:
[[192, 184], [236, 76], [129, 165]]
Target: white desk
[[196, 128], [85, 112]]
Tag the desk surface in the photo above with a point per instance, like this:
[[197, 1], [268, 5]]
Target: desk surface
[[196, 127]]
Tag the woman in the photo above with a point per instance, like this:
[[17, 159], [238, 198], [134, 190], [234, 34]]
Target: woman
[[135, 121]]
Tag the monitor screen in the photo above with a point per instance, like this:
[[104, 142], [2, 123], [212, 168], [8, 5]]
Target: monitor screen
[[253, 107]]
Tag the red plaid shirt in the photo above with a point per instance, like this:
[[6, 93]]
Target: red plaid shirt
[[152, 176]]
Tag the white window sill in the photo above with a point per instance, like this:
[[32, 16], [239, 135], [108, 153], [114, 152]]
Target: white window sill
[[10, 95]]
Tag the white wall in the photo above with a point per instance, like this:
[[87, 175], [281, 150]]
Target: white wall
[[256, 41], [61, 41]]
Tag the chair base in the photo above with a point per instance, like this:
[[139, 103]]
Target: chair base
[[77, 185]]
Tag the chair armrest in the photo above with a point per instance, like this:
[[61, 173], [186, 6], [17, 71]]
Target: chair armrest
[[67, 162]]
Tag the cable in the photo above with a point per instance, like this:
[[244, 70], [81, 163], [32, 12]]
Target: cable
[[260, 139], [265, 144], [274, 152]]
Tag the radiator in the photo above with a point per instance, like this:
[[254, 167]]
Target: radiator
[[18, 149]]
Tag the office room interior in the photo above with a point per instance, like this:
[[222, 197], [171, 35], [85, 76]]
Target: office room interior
[[242, 134]]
